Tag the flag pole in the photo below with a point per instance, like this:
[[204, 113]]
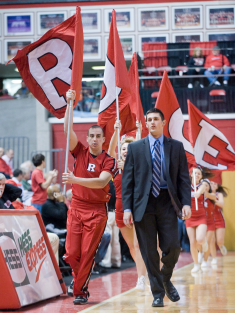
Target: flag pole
[[139, 134], [67, 143], [118, 130], [194, 183]]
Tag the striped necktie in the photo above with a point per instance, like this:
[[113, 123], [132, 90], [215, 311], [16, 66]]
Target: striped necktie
[[156, 169]]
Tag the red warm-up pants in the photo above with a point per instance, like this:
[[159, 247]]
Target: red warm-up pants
[[85, 226]]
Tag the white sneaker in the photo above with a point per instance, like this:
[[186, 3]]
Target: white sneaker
[[204, 264], [190, 85], [205, 246], [225, 82], [201, 85], [217, 83], [223, 250], [200, 257], [214, 261], [140, 286], [196, 268]]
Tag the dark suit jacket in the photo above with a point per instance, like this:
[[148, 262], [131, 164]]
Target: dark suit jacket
[[137, 176]]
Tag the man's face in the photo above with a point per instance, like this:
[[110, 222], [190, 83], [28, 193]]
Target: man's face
[[95, 138], [155, 124], [2, 186], [1, 152], [10, 154], [215, 52]]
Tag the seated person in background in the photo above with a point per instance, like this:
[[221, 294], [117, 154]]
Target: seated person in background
[[23, 92], [4, 168], [17, 178], [39, 184], [8, 158], [27, 190], [54, 210], [26, 176], [29, 165], [8, 193], [217, 63], [68, 198], [196, 66]]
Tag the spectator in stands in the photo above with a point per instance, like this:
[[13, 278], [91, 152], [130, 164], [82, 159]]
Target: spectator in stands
[[28, 164], [68, 198], [27, 189], [217, 63], [8, 158], [17, 178], [54, 210], [196, 66], [4, 168], [54, 215], [23, 92], [8, 193], [26, 176], [39, 184]]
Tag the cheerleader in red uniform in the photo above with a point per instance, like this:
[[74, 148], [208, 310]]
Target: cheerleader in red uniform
[[128, 234], [219, 221], [209, 205], [196, 225]]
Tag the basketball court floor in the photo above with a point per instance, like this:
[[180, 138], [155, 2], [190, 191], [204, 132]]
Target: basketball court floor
[[211, 290]]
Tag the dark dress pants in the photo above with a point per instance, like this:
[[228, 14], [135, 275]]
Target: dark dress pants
[[159, 219]]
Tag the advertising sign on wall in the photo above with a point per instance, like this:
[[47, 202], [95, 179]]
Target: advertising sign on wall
[[28, 259]]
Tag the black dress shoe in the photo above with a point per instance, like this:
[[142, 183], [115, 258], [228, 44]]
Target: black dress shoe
[[158, 302], [171, 292]]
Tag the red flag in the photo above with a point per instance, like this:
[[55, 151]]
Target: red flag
[[46, 65], [211, 147], [174, 128], [135, 103], [115, 74]]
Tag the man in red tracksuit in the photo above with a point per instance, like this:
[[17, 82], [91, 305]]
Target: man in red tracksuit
[[217, 63], [87, 215]]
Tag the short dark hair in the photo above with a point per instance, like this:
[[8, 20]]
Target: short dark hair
[[155, 110], [17, 172], [37, 159], [96, 126]]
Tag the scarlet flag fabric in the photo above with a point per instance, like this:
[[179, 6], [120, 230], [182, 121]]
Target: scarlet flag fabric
[[174, 128], [135, 102], [115, 74], [46, 66], [211, 147]]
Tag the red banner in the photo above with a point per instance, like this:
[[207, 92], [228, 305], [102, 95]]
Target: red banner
[[174, 128], [46, 65], [211, 147], [115, 75]]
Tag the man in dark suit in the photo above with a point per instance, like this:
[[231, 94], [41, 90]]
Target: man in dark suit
[[155, 190]]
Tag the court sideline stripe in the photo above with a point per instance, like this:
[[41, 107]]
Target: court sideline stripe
[[122, 294]]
